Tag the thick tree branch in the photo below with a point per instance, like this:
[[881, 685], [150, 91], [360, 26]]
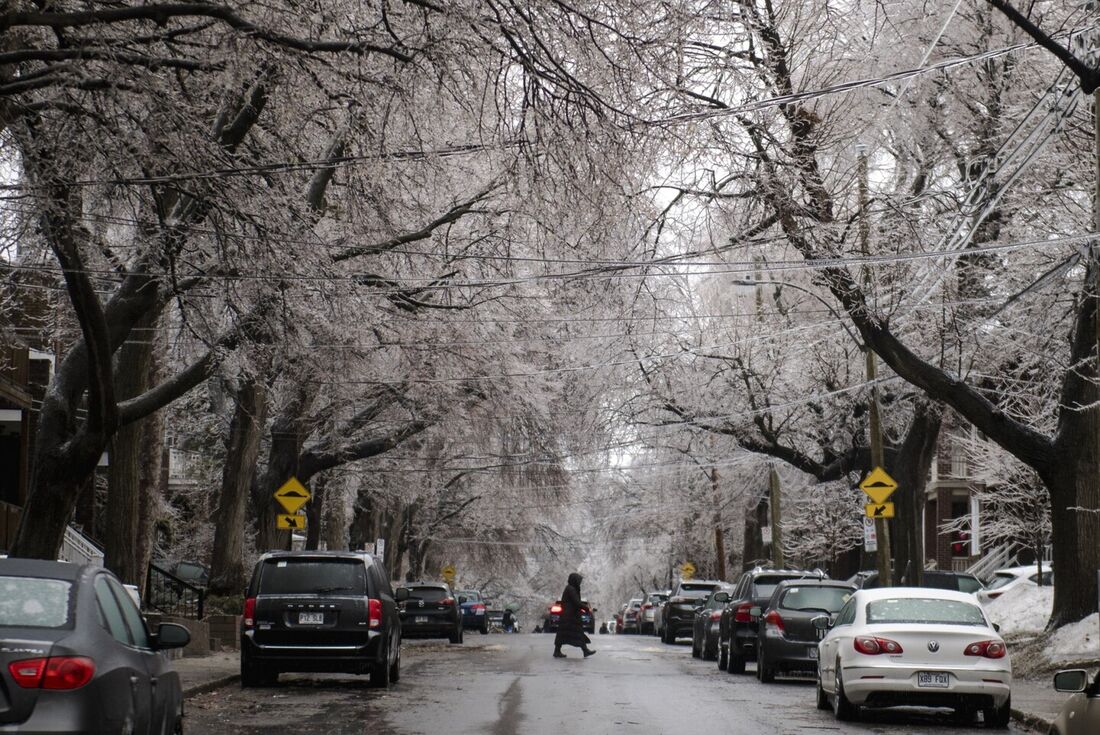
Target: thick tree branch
[[1090, 78], [312, 462]]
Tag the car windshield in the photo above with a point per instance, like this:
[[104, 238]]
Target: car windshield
[[696, 590], [428, 594], [1001, 579], [923, 610], [655, 598], [30, 602], [828, 599], [470, 595], [313, 577]]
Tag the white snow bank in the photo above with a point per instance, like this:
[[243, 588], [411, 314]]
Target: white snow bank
[[1076, 641], [1023, 609]]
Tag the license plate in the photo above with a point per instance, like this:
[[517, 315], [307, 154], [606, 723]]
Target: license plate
[[812, 651], [311, 618], [420, 619], [934, 679]]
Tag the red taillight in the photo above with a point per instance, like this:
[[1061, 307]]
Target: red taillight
[[375, 607], [249, 612], [774, 620], [56, 672], [741, 614], [478, 606], [555, 609], [872, 646], [716, 615], [447, 601], [646, 606], [986, 649]]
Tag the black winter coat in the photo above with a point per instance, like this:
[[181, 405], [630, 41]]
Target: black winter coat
[[570, 627]]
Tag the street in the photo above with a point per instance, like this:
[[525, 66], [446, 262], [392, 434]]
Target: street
[[501, 684]]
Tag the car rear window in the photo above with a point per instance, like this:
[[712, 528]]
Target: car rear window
[[969, 584], [428, 594], [696, 589], [765, 585], [923, 610], [827, 599], [313, 577], [31, 602], [1000, 580], [470, 595]]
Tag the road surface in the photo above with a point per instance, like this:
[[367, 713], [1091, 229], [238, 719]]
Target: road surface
[[503, 684]]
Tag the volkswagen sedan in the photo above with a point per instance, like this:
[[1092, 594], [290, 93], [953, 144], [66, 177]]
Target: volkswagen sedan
[[909, 646]]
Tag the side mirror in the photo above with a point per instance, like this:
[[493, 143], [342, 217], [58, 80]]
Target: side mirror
[[462, 600], [1072, 681], [997, 627], [401, 594], [822, 622], [722, 597], [755, 612], [171, 635]]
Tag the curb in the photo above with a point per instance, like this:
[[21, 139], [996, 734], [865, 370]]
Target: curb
[[209, 686], [1033, 721]]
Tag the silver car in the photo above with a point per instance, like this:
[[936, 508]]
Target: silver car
[[1081, 714]]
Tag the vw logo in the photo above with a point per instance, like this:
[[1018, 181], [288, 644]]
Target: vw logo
[[933, 646], [422, 605]]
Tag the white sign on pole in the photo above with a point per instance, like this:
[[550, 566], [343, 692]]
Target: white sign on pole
[[975, 526], [766, 534], [870, 536], [380, 547]]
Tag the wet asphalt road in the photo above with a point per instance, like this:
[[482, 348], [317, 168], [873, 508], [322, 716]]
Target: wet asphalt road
[[503, 684]]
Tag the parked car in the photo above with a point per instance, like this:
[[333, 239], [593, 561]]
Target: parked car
[[619, 619], [932, 579], [787, 638], [553, 613], [1081, 714], [678, 614], [431, 611], [473, 607], [704, 631], [737, 628], [632, 616], [1013, 578], [320, 611], [77, 657], [649, 611], [914, 646]]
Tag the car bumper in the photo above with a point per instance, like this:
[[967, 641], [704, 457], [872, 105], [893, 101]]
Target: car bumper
[[313, 658], [470, 620], [434, 629], [890, 686], [71, 712], [791, 655]]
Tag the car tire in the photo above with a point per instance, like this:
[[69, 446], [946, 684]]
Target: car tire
[[843, 709], [708, 650], [765, 673], [395, 670], [484, 629], [723, 658], [822, 698], [380, 672], [998, 717], [736, 662], [695, 652], [455, 638]]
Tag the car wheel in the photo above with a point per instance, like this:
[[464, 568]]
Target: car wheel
[[395, 670], [695, 652], [998, 717], [380, 672], [723, 659], [737, 661], [455, 637], [822, 697], [765, 673], [484, 630], [843, 709], [708, 650]]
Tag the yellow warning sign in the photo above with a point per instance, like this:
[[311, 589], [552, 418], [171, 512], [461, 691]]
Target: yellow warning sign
[[878, 485], [292, 496], [448, 573], [879, 510], [290, 522], [687, 570]]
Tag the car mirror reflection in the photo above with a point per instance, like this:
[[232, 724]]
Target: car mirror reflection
[[172, 635], [822, 622], [1072, 681]]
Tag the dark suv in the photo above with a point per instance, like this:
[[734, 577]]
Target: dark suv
[[737, 628], [320, 611], [678, 614], [431, 612]]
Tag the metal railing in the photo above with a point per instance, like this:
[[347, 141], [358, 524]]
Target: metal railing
[[78, 549], [998, 558], [168, 594]]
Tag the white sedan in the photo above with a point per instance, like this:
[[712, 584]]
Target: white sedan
[[914, 647], [1012, 579]]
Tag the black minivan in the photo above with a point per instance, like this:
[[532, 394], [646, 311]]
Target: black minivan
[[320, 611]]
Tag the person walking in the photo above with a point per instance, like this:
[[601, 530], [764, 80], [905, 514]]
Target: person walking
[[570, 627]]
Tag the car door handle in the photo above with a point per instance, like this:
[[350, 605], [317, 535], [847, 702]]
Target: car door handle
[[133, 682]]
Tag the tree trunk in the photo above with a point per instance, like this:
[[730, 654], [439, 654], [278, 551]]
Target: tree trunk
[[755, 520], [242, 447], [1076, 539], [335, 531], [315, 510], [911, 466], [288, 434]]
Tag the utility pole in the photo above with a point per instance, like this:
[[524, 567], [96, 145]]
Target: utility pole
[[882, 556], [719, 536], [776, 515]]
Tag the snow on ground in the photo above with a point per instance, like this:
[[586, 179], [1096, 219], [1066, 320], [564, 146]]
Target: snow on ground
[[1023, 609], [1077, 641]]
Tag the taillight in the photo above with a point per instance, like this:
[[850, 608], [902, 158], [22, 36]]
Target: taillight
[[250, 612], [872, 646], [478, 606], [56, 672], [773, 624], [646, 606], [555, 609], [986, 649], [375, 607], [741, 614], [447, 601], [716, 615]]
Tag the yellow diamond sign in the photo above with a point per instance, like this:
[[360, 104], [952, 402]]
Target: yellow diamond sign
[[290, 522], [687, 570], [292, 496], [878, 485], [448, 573]]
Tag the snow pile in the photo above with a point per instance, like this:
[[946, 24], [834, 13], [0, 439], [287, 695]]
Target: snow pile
[[1023, 609], [1077, 641]]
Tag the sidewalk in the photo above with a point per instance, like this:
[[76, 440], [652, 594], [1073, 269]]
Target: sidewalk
[[201, 674]]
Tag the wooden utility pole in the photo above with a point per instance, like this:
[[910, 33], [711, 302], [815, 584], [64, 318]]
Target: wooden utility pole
[[776, 515], [719, 536]]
